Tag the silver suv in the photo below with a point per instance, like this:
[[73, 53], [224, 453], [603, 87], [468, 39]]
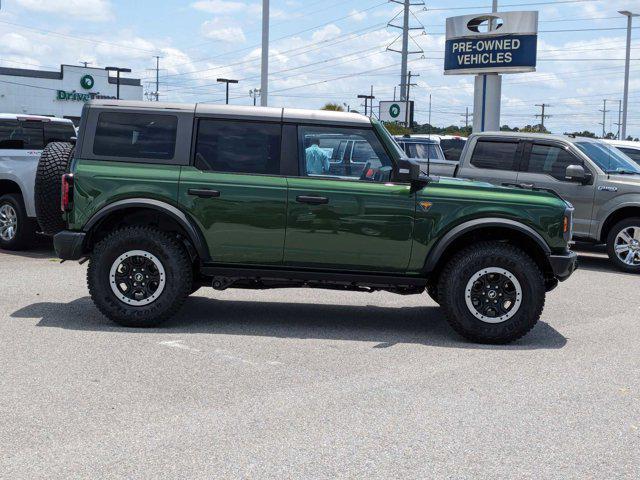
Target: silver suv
[[602, 183], [22, 139]]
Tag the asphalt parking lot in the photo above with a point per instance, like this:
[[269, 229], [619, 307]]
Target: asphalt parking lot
[[314, 384]]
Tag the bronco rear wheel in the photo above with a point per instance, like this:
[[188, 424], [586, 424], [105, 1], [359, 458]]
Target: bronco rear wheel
[[54, 162], [139, 276], [492, 293]]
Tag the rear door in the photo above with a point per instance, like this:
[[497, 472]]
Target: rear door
[[493, 159], [545, 166], [235, 191], [357, 221], [21, 143]]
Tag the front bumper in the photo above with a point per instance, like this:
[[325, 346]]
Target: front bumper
[[563, 265], [69, 245]]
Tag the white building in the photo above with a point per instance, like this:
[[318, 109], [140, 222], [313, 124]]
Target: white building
[[60, 94]]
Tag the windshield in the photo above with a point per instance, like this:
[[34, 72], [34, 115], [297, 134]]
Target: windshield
[[609, 159], [424, 151]]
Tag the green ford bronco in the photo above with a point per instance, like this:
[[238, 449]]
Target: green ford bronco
[[165, 198]]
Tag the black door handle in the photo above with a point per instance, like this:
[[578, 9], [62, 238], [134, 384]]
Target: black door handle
[[312, 200], [204, 193]]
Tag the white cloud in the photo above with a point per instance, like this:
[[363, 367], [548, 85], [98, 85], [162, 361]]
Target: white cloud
[[226, 7], [358, 16], [222, 30], [92, 10]]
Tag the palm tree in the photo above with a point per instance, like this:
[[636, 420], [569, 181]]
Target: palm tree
[[334, 107]]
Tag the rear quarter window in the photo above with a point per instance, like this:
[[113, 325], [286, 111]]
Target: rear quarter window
[[58, 132], [494, 155], [135, 135]]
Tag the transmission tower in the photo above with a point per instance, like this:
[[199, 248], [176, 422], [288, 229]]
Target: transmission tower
[[406, 36]]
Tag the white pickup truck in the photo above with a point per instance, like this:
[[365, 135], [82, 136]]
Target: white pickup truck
[[22, 139]]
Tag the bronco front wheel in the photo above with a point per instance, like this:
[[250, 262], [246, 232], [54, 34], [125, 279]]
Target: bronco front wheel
[[139, 276], [492, 293]]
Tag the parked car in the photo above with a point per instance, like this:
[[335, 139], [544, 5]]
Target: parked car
[[597, 179], [452, 146], [22, 138], [428, 154], [630, 149], [165, 198]]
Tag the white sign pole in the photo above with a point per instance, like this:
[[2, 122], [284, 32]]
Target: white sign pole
[[486, 95]]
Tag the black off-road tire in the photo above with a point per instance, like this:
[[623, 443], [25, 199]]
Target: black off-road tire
[[171, 254], [470, 261], [54, 162], [611, 241], [25, 230]]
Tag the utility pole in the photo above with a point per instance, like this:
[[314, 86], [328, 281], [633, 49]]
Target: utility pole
[[85, 64], [625, 97], [542, 115], [604, 116], [157, 92], [227, 81], [407, 116], [264, 72], [404, 51], [366, 99], [619, 119], [466, 116]]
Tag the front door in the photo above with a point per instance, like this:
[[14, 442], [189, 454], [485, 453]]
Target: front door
[[546, 168], [234, 190], [358, 220]]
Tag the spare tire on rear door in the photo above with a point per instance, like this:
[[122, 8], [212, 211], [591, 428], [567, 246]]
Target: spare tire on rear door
[[54, 163]]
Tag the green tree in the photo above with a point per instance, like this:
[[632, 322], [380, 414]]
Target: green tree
[[534, 129], [334, 107], [584, 133], [397, 129]]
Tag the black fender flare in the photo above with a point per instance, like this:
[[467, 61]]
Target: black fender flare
[[189, 226], [456, 232]]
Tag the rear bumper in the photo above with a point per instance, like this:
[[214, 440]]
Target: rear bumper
[[563, 265], [69, 245]]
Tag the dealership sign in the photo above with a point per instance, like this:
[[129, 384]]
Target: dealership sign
[[392, 111], [86, 82], [491, 43]]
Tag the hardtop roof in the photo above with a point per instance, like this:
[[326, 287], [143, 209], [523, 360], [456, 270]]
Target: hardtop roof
[[241, 112]]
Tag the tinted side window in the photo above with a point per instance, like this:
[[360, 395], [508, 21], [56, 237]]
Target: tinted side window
[[495, 155], [320, 144], [631, 153], [135, 135], [238, 147], [8, 135], [58, 132], [550, 160], [452, 148]]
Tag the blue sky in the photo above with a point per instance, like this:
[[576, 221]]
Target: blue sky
[[332, 50]]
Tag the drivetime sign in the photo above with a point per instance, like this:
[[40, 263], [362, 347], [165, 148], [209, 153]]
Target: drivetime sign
[[508, 47], [395, 111]]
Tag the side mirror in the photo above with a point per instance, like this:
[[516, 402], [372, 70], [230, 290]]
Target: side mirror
[[577, 173], [408, 171]]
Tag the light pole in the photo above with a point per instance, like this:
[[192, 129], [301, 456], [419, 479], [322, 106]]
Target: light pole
[[264, 69], [118, 70], [625, 97], [227, 81], [254, 93]]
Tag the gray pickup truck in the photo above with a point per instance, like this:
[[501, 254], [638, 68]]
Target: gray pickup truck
[[601, 182], [22, 139]]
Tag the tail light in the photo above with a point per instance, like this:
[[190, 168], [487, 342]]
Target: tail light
[[66, 200]]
